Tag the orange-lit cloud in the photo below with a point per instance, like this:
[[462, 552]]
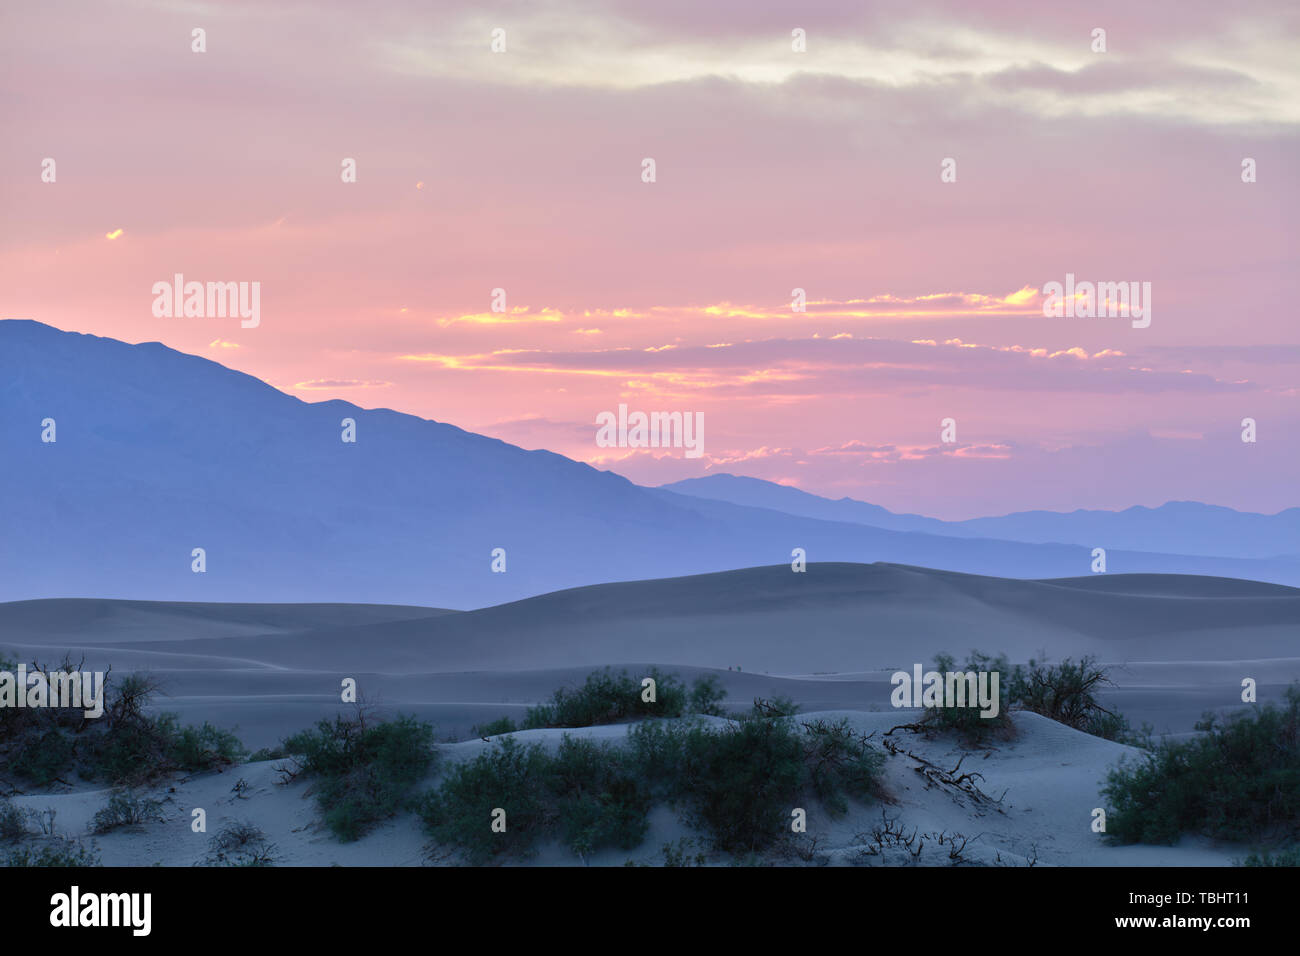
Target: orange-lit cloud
[[332, 383]]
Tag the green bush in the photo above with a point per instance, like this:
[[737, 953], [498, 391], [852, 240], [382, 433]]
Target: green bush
[[1066, 693], [679, 854], [1285, 856], [364, 770], [658, 749], [59, 851], [494, 728], [608, 698], [239, 843], [765, 708], [741, 781], [590, 794], [1239, 779], [263, 754], [129, 746], [43, 758], [966, 721], [707, 695], [600, 798], [205, 748], [125, 809], [509, 775], [13, 822], [125, 746], [841, 762], [738, 781]]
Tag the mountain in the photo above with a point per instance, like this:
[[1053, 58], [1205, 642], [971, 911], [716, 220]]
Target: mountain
[[159, 453], [757, 493], [1177, 527]]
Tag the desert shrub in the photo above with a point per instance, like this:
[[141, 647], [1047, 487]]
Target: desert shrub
[[59, 851], [13, 822], [841, 762], [38, 743], [765, 708], [125, 746], [21, 723], [1067, 693], [1064, 692], [680, 855], [364, 770], [659, 749], [607, 698], [125, 809], [589, 794], [43, 758], [263, 754], [509, 775], [966, 721], [130, 754], [205, 748], [707, 695], [1112, 726], [600, 799], [737, 781], [132, 746], [740, 781], [494, 728], [1284, 856], [1238, 779], [140, 747], [239, 843], [42, 821]]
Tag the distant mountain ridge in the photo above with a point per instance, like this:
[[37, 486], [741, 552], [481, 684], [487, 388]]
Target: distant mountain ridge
[[1176, 527], [159, 453]]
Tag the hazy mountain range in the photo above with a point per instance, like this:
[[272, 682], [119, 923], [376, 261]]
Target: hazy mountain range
[[159, 453], [1178, 527]]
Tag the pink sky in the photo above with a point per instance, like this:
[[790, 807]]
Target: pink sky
[[775, 170]]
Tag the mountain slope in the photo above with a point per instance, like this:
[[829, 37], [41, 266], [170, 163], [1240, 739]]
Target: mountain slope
[[159, 453], [1176, 527]]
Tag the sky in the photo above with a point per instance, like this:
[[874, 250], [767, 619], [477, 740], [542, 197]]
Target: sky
[[774, 170]]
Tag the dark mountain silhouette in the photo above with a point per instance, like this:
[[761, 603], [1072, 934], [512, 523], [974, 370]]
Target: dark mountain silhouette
[[159, 453]]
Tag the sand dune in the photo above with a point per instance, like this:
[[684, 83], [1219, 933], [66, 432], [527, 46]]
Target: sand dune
[[829, 638], [1042, 785]]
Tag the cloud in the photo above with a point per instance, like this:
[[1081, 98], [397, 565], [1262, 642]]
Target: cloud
[[332, 383], [783, 366]]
